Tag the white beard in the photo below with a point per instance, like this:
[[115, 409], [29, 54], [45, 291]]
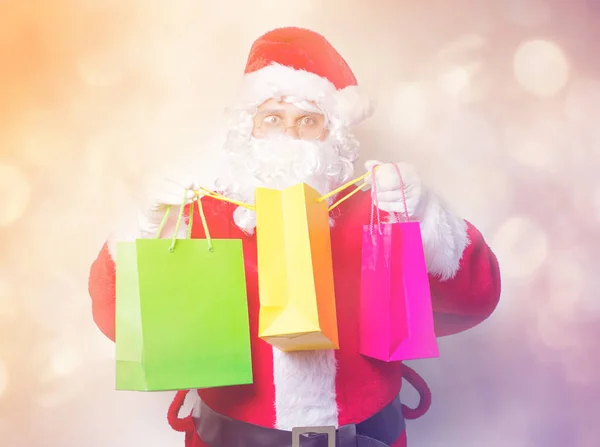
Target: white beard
[[279, 163]]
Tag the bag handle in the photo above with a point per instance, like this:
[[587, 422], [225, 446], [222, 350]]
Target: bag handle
[[163, 222], [217, 196], [375, 202], [178, 224], [204, 224], [341, 188], [402, 191], [190, 224]]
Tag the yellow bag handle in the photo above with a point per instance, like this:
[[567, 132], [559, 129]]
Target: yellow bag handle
[[344, 186], [216, 196]]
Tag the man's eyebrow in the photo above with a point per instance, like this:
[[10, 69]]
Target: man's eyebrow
[[280, 110], [267, 111]]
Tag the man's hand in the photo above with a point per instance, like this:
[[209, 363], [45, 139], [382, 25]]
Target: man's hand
[[171, 192], [392, 190]]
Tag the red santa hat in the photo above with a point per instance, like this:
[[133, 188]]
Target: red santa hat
[[299, 63]]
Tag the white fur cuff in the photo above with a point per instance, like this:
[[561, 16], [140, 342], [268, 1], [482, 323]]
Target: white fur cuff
[[444, 237]]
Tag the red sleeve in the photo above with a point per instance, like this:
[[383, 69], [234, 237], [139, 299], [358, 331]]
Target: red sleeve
[[472, 295], [101, 286]]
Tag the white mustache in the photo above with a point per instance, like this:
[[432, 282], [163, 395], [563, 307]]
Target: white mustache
[[279, 163]]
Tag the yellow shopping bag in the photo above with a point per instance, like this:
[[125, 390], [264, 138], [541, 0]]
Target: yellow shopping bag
[[295, 270]]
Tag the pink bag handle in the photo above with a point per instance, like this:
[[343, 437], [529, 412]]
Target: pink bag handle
[[375, 203]]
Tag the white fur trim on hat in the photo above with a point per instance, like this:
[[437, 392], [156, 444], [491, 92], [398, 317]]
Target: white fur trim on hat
[[276, 81]]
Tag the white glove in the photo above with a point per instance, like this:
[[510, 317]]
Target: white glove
[[389, 191], [170, 193], [444, 232]]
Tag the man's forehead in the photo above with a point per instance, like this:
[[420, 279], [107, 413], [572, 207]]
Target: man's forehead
[[275, 105]]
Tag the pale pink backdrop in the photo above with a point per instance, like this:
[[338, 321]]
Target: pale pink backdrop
[[496, 102]]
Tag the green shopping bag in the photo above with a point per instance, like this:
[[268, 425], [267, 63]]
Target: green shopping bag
[[181, 313]]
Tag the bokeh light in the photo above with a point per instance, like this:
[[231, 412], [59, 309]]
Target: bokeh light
[[595, 203], [470, 132], [101, 70], [411, 109], [522, 247], [536, 152], [303, 8], [15, 193], [7, 303], [583, 100], [454, 81], [541, 67], [65, 361], [566, 287], [543, 145], [3, 377], [527, 12]]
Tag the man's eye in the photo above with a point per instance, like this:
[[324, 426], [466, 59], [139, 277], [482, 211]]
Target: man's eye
[[308, 121], [272, 119]]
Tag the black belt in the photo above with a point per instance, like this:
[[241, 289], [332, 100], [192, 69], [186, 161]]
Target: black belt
[[380, 430]]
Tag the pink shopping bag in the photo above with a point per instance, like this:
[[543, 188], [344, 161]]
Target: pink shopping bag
[[396, 315]]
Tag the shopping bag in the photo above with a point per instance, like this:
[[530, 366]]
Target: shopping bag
[[128, 321], [396, 315], [295, 270], [181, 313]]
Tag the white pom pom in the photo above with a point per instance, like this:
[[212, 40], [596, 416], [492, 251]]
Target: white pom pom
[[352, 105]]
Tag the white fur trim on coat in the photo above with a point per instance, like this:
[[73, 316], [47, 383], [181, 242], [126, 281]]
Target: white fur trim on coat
[[305, 393], [444, 236], [349, 105]]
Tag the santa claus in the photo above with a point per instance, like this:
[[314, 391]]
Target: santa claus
[[297, 104]]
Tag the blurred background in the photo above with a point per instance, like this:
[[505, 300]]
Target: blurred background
[[496, 102]]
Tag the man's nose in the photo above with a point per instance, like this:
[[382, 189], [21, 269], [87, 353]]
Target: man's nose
[[292, 131]]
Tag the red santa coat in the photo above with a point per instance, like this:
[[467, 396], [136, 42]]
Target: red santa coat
[[333, 387]]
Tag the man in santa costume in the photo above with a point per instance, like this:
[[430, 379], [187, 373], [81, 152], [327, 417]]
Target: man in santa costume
[[297, 103]]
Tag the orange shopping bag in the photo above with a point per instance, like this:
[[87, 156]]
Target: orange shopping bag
[[295, 270]]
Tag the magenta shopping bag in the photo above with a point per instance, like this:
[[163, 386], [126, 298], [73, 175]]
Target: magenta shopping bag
[[396, 315]]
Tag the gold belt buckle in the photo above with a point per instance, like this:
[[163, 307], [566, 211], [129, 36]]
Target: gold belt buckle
[[328, 430]]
